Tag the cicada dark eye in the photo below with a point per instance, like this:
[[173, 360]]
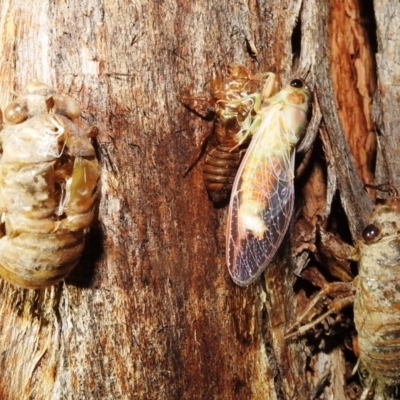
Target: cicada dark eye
[[370, 233], [297, 83]]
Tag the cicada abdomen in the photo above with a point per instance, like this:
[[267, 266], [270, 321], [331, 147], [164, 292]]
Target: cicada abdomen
[[377, 302], [262, 196], [234, 110], [49, 187]]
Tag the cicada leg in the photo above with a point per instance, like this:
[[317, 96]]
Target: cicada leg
[[80, 197], [337, 305], [195, 158], [250, 124], [271, 85]]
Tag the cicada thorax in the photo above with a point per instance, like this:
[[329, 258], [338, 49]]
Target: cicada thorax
[[49, 177], [234, 111], [377, 303]]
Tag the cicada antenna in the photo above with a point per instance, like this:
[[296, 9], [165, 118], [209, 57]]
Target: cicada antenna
[[384, 187]]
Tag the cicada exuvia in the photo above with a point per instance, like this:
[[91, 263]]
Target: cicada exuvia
[[262, 197], [234, 113], [375, 295], [49, 187], [377, 300]]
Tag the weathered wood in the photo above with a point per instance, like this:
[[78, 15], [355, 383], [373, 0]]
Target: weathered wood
[[150, 312], [387, 17]]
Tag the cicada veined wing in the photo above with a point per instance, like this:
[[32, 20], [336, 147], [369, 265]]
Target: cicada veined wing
[[262, 197]]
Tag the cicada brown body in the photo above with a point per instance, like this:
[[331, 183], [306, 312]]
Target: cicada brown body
[[377, 302], [49, 187], [234, 110]]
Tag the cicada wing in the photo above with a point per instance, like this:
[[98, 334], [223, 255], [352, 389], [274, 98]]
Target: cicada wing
[[248, 254]]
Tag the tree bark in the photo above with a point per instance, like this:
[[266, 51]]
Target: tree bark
[[150, 312]]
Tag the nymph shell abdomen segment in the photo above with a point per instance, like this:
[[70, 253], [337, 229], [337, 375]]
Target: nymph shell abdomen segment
[[37, 260], [28, 190]]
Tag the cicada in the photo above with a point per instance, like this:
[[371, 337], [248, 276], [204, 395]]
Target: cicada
[[377, 301], [261, 203], [49, 187]]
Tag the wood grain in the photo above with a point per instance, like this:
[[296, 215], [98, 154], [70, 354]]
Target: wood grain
[[150, 312]]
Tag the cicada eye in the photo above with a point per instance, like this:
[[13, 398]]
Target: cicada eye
[[370, 233], [297, 83], [16, 112]]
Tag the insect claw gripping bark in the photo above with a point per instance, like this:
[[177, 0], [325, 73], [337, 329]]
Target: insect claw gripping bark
[[261, 203], [49, 187], [337, 305]]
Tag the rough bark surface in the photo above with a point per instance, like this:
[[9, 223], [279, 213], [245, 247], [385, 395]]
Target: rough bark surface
[[150, 312]]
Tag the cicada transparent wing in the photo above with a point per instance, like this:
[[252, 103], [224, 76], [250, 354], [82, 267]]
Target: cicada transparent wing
[[262, 198]]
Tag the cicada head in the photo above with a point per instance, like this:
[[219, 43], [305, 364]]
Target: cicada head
[[297, 94], [296, 97], [35, 99], [38, 89], [379, 246], [385, 220], [384, 223], [38, 98]]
